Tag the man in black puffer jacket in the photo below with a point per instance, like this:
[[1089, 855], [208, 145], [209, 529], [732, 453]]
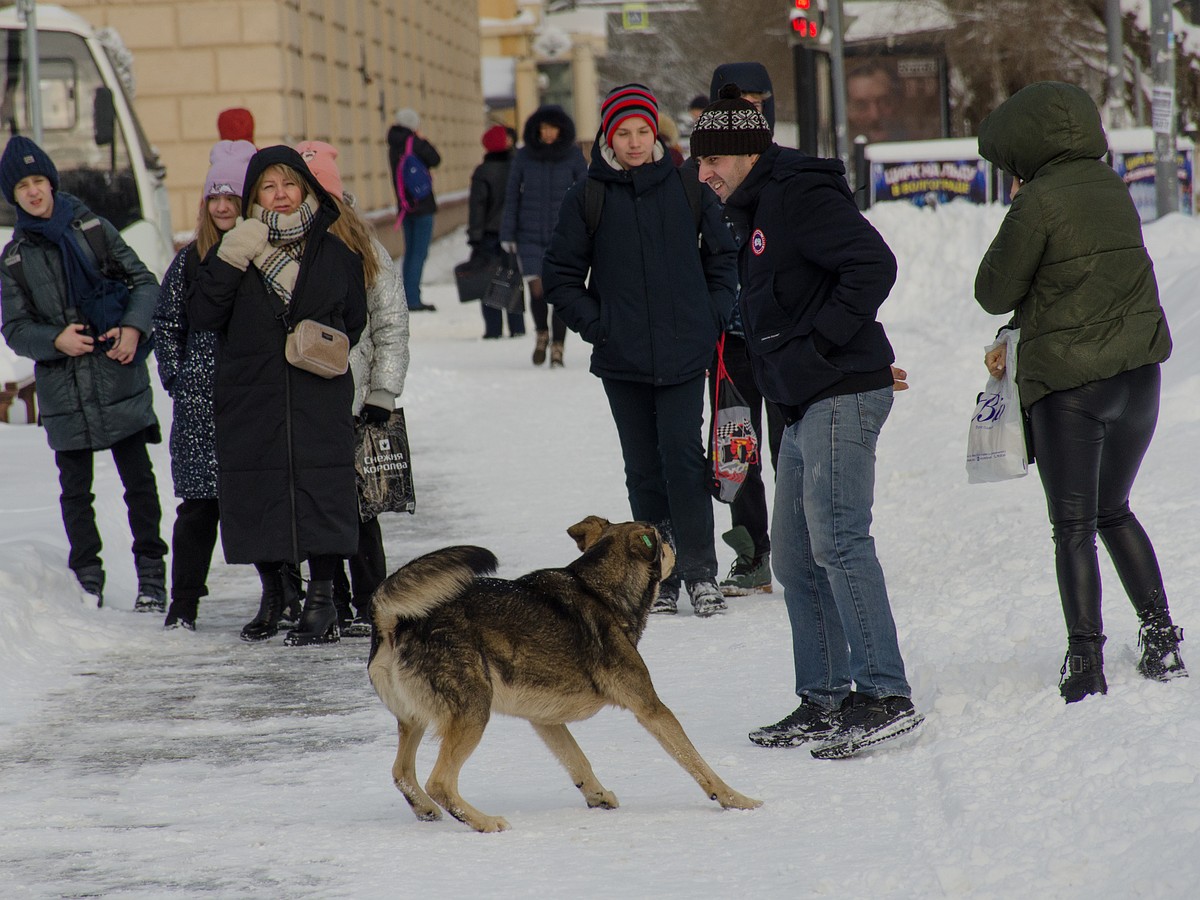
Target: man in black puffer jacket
[[813, 275]]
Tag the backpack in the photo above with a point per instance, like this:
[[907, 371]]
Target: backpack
[[593, 201], [413, 181], [93, 233]]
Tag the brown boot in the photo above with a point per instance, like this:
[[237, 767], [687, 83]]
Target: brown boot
[[556, 355], [539, 348]]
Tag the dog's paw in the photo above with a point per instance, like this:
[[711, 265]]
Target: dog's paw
[[733, 800], [602, 800], [490, 824]]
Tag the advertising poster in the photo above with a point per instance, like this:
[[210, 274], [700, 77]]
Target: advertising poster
[[1137, 169], [891, 97], [930, 182]]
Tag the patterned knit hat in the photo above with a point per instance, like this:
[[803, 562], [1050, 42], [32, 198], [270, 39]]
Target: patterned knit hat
[[227, 168], [730, 127], [322, 162], [22, 158], [625, 102]]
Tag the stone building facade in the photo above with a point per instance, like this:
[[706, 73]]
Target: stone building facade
[[331, 70]]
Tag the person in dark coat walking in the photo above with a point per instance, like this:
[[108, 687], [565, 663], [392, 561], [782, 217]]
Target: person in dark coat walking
[[89, 360], [1070, 265], [285, 437], [813, 275], [489, 182], [187, 365], [415, 216], [656, 299], [543, 169]]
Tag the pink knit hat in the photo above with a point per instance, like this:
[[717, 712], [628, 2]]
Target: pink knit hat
[[227, 168], [322, 162]]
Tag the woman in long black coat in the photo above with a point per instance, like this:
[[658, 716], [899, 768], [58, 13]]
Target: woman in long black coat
[[285, 437]]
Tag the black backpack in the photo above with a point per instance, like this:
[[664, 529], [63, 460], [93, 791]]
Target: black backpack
[[93, 233]]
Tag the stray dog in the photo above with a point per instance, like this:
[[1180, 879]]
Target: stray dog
[[554, 646]]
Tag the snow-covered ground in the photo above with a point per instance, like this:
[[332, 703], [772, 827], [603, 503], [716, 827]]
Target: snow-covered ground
[[138, 763]]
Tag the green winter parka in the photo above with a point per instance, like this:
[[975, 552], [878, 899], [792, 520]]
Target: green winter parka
[[1068, 262]]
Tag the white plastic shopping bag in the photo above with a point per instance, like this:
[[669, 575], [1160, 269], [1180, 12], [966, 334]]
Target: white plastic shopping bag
[[996, 440]]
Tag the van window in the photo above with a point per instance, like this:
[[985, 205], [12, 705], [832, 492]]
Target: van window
[[79, 131]]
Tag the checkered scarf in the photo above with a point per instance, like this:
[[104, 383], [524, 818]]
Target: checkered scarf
[[279, 263]]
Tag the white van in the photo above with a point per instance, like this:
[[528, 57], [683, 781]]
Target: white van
[[89, 129]]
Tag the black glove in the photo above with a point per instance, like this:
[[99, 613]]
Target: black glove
[[375, 415]]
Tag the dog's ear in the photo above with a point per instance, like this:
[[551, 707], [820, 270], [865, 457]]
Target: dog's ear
[[643, 542], [587, 532]]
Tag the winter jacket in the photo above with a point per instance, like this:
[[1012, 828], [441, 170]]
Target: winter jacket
[[187, 367], [379, 361], [814, 273], [285, 437], [537, 183], [397, 139], [657, 296], [87, 402], [485, 205], [1068, 261]]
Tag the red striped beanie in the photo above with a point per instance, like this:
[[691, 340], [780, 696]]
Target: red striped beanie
[[623, 103]]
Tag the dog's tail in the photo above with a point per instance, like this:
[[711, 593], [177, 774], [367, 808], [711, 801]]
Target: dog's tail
[[416, 589]]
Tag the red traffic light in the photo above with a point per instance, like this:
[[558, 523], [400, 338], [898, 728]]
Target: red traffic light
[[804, 28], [803, 4]]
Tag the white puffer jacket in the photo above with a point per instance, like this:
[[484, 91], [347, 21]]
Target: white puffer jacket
[[379, 361]]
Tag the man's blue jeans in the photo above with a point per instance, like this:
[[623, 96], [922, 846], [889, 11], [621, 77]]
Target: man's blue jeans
[[824, 556], [418, 235]]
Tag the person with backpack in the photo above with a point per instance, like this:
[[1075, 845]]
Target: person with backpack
[[410, 159], [78, 301], [543, 169], [663, 274]]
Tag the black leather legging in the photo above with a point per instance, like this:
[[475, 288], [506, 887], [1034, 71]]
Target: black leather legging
[[1089, 443]]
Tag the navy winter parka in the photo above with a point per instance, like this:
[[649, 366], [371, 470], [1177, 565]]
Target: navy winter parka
[[814, 273], [537, 182], [658, 296]]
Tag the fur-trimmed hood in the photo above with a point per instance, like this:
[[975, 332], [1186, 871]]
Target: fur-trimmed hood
[[556, 116]]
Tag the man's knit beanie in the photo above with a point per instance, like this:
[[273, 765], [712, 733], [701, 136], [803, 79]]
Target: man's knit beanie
[[625, 102], [731, 126], [22, 158]]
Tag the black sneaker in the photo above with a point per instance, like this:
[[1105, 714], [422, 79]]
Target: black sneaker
[[807, 722], [868, 721]]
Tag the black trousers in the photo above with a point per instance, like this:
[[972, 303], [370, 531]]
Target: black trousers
[[368, 567], [141, 500], [1090, 442], [541, 313], [192, 543], [666, 467], [749, 509]]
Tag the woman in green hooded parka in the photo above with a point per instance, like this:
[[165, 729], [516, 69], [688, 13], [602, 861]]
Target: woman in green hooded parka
[[1070, 265]]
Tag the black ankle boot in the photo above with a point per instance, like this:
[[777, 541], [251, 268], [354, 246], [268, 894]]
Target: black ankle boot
[[319, 622], [293, 596], [1159, 640], [152, 585], [182, 613], [266, 623], [1083, 669]]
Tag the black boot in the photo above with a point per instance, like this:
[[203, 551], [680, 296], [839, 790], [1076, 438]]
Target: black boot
[[152, 585], [266, 623], [319, 621], [341, 601], [1083, 669], [91, 579], [182, 613], [1159, 640], [293, 596]]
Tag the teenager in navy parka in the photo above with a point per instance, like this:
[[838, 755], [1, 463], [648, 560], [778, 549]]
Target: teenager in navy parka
[[652, 308]]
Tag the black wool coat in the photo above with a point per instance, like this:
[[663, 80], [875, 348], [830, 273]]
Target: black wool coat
[[486, 202], [285, 437], [658, 294], [813, 275]]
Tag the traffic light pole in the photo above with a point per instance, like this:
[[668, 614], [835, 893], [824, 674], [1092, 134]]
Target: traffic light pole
[[804, 66], [837, 71], [1162, 117]]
